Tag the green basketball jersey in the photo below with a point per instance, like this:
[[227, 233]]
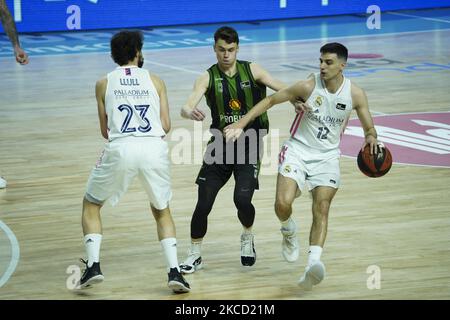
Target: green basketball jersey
[[230, 98]]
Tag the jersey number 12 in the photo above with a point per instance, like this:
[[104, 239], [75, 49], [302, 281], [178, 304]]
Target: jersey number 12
[[323, 132]]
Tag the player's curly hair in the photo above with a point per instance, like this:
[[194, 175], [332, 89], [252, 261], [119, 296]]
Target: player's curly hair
[[228, 34], [125, 45]]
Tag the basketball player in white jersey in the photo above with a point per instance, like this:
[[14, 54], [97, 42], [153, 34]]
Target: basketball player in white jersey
[[134, 116], [310, 157]]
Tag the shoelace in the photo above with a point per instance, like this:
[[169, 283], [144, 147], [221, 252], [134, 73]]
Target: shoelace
[[86, 265], [247, 246], [291, 240], [192, 256]]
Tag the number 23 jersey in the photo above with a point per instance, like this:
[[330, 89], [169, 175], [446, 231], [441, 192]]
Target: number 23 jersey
[[132, 104]]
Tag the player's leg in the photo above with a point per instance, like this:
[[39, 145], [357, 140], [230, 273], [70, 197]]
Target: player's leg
[[167, 236], [199, 225], [286, 192], [324, 180], [246, 181], [211, 178], [92, 231], [322, 197], [315, 270], [154, 174], [90, 219], [108, 181], [290, 180]]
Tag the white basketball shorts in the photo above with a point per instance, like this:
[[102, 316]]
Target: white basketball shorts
[[309, 169], [128, 157]]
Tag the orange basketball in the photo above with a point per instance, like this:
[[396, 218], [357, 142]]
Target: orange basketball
[[375, 165]]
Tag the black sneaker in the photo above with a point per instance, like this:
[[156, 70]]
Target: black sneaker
[[177, 282], [91, 275]]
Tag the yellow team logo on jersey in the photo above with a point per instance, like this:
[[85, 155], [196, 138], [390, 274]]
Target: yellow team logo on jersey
[[234, 104], [318, 101]]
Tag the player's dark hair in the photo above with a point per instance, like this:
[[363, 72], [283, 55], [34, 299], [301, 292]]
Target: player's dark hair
[[228, 34], [125, 45], [335, 47]]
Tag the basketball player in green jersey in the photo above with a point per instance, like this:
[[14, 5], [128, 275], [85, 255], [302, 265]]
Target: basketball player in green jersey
[[231, 87]]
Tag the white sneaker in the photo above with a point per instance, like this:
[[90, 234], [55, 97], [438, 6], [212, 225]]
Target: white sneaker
[[248, 253], [2, 183], [289, 245], [192, 263], [313, 275]]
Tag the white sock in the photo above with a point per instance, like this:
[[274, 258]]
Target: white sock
[[92, 243], [288, 225], [169, 246], [196, 246], [314, 254]]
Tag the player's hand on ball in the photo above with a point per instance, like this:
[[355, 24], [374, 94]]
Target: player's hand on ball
[[372, 141]]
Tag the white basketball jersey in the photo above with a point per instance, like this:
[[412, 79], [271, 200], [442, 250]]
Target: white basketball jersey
[[132, 104], [321, 128]]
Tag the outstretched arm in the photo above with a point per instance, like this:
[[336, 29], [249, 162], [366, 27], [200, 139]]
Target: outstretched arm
[[100, 90], [190, 110], [300, 90], [10, 29], [361, 106], [163, 102], [264, 77]]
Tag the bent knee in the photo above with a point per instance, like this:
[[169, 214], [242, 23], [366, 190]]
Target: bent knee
[[322, 207], [282, 205], [89, 200], [242, 202]]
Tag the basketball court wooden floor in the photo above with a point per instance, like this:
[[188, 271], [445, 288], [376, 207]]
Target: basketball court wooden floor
[[395, 229]]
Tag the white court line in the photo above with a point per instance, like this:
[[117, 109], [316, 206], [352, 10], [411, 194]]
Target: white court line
[[332, 38], [417, 17], [15, 253], [270, 42], [244, 44], [402, 113], [172, 67], [378, 112], [274, 42], [406, 164]]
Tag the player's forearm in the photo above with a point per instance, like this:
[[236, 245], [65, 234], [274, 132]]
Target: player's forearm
[[185, 112], [165, 122], [370, 132], [166, 126], [257, 110], [104, 133], [10, 27]]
